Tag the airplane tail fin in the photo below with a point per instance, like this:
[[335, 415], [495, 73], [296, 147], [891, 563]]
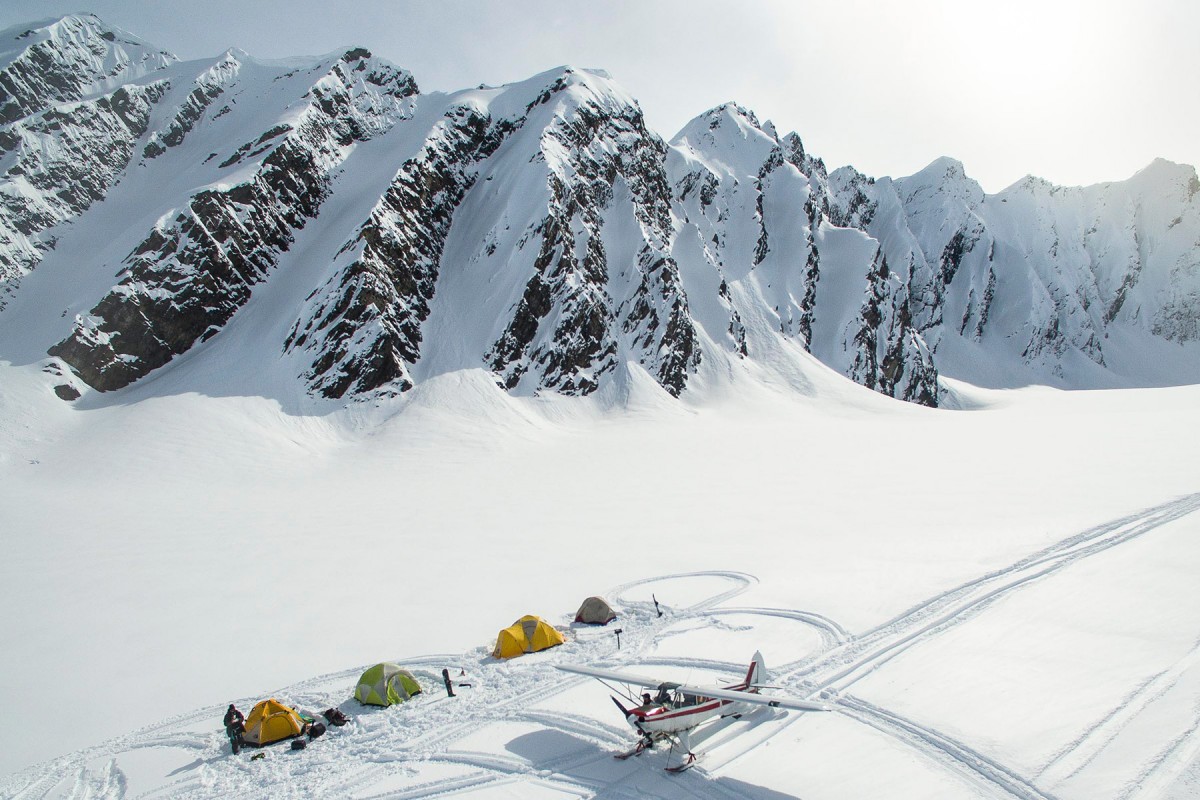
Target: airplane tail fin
[[758, 669]]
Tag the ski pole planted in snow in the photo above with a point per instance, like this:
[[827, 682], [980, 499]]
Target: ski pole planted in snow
[[618, 632], [656, 608]]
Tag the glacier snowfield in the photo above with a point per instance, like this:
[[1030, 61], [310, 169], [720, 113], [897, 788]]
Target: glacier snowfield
[[523, 729], [1000, 602], [302, 369]]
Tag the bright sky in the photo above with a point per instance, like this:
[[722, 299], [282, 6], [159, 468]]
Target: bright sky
[[1075, 91]]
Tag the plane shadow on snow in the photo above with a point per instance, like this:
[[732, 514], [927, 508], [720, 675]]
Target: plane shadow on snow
[[586, 764]]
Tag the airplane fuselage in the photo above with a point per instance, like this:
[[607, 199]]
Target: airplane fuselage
[[683, 713]]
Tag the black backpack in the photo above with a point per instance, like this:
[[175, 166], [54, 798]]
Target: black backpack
[[315, 730], [335, 716]]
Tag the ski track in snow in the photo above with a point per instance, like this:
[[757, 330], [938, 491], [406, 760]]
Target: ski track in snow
[[382, 744], [840, 668], [1084, 750], [954, 754]]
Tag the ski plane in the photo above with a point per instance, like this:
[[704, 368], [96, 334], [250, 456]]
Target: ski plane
[[678, 708]]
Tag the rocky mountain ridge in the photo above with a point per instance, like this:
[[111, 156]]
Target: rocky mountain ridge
[[540, 231]]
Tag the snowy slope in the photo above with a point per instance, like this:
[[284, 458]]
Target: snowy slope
[[944, 621], [343, 372], [1071, 287], [538, 231], [755, 226]]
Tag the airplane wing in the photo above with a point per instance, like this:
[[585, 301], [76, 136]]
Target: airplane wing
[[793, 703], [612, 675]]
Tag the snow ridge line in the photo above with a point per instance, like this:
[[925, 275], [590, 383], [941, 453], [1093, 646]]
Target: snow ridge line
[[957, 753]]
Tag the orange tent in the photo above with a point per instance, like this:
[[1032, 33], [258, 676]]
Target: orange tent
[[271, 721]]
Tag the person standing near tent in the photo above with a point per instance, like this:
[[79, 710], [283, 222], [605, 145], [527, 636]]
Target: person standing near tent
[[235, 724]]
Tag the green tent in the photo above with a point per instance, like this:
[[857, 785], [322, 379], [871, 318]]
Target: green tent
[[386, 684]]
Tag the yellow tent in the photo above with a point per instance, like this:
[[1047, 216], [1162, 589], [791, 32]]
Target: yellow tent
[[527, 635], [270, 721]]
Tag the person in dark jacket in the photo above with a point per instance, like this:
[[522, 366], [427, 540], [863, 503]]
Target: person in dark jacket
[[235, 725]]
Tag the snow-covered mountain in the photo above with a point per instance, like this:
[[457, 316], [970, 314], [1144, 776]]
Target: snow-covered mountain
[[539, 231], [1076, 286], [295, 359]]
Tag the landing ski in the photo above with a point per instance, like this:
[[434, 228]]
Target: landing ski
[[637, 750], [687, 764]]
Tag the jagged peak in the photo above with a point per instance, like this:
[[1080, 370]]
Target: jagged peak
[[1030, 183], [848, 175], [727, 127], [731, 139], [1162, 170], [943, 176], [566, 84], [68, 59], [736, 110], [940, 169], [69, 28], [730, 111], [565, 75], [343, 64], [596, 81]]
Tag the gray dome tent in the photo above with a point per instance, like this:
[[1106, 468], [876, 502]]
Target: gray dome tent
[[595, 611]]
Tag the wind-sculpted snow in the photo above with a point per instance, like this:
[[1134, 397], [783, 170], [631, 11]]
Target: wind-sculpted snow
[[194, 270]]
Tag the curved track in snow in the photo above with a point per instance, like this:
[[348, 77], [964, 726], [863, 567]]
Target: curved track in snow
[[424, 749], [832, 672]]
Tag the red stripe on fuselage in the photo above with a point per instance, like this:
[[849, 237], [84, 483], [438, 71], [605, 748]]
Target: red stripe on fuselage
[[700, 708]]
